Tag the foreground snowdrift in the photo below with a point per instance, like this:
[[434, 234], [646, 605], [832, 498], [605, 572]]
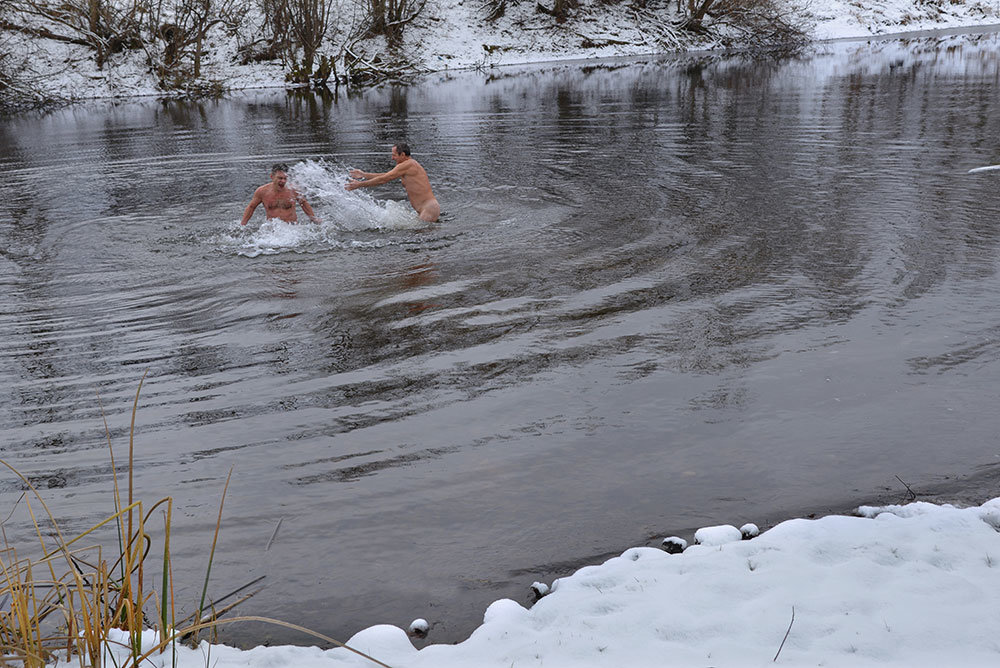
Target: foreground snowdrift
[[913, 585]]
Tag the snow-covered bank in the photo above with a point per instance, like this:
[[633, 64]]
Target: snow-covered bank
[[913, 585], [833, 19], [450, 34], [454, 34]]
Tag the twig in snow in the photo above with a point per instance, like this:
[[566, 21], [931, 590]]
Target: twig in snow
[[786, 636]]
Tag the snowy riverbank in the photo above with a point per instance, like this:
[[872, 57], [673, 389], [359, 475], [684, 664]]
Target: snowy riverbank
[[455, 34], [912, 585]]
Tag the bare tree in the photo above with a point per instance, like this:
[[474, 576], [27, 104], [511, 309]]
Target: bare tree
[[388, 17], [105, 26], [560, 9], [295, 30], [176, 33], [310, 20]]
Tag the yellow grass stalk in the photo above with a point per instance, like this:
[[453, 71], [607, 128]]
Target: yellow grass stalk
[[215, 540]]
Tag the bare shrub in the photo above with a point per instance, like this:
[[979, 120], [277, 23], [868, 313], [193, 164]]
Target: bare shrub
[[751, 23], [495, 9], [17, 88], [362, 69], [22, 85]]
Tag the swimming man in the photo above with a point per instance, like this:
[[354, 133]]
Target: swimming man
[[413, 177], [278, 199]]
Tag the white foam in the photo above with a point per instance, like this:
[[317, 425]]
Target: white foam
[[276, 236]]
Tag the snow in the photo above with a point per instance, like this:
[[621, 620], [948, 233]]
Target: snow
[[911, 585], [719, 535], [539, 589], [851, 18]]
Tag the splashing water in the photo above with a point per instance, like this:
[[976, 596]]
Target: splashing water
[[323, 185], [340, 212]]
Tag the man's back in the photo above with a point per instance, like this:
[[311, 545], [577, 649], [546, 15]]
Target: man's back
[[416, 183]]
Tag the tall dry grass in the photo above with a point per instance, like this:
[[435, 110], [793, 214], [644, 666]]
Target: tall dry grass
[[66, 599]]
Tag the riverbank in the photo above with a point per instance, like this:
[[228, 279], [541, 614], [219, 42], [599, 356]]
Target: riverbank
[[455, 34], [896, 585]]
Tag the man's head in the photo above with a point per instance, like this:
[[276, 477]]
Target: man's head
[[400, 152], [279, 174]]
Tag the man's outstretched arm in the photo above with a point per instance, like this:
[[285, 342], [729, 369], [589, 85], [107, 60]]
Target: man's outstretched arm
[[369, 180]]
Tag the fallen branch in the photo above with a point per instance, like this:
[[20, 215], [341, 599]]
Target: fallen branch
[[598, 42], [42, 32]]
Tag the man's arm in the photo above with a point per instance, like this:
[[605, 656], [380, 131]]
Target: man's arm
[[251, 207], [369, 180], [305, 207]]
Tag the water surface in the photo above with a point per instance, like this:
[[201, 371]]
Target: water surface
[[662, 295]]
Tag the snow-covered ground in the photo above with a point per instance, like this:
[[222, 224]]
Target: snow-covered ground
[[913, 585], [450, 34], [456, 34]]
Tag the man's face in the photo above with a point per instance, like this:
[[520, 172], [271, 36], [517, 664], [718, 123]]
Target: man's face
[[397, 157], [279, 179]]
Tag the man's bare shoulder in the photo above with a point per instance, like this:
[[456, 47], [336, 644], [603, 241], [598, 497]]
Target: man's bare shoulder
[[411, 166]]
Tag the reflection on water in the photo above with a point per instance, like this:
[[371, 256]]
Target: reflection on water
[[664, 294]]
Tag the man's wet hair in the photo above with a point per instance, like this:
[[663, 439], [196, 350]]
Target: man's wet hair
[[279, 167], [403, 148]]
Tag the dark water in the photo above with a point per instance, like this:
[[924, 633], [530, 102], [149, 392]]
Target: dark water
[[663, 295]]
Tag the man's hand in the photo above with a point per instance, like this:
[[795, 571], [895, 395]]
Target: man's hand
[[351, 185], [356, 174]]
